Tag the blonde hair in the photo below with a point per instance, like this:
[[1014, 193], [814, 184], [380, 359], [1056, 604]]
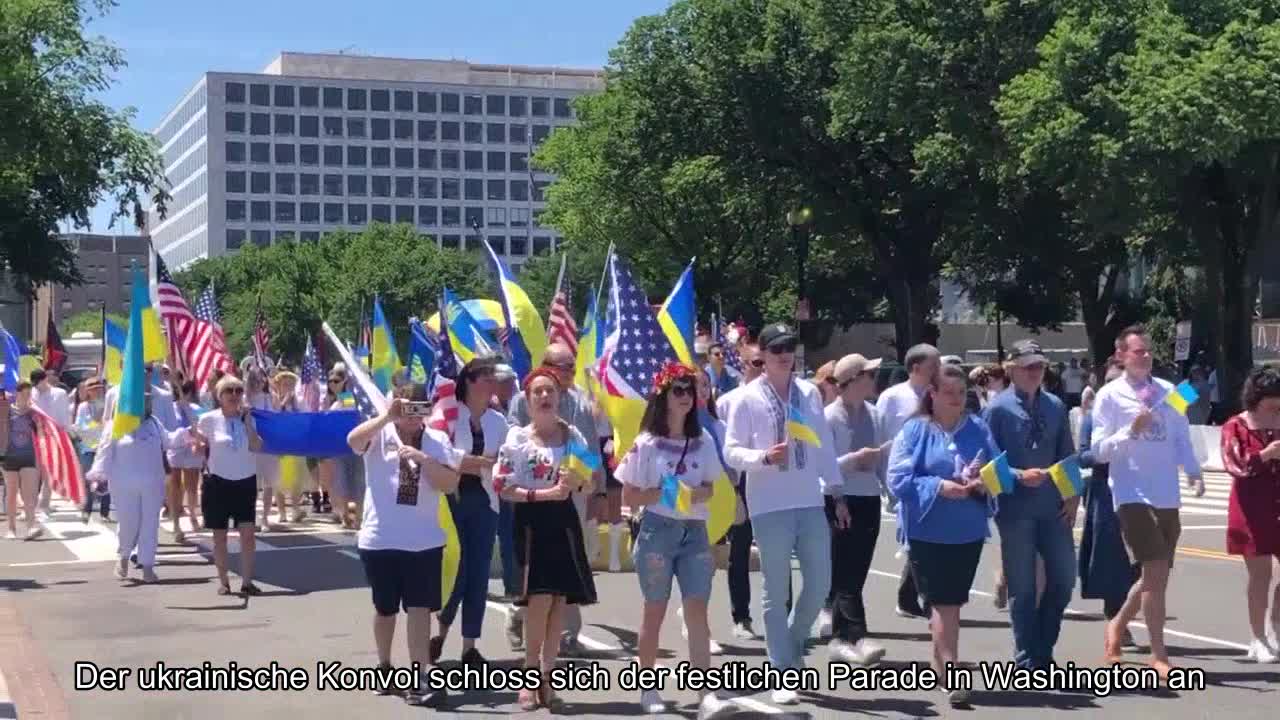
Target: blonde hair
[[228, 382]]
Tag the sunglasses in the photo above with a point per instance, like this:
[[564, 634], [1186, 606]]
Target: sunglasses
[[682, 390], [855, 378], [336, 380], [233, 391]]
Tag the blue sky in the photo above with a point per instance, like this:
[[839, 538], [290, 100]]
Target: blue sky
[[167, 50]]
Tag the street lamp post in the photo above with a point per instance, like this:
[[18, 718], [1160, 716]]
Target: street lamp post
[[799, 220]]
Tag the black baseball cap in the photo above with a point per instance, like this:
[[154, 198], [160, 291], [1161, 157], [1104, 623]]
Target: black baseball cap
[[777, 335], [1027, 352]]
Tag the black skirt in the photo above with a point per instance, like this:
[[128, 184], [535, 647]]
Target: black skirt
[[944, 573], [552, 557]]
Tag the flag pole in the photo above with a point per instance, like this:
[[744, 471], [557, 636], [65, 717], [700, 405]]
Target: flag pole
[[564, 259], [102, 313], [604, 273]]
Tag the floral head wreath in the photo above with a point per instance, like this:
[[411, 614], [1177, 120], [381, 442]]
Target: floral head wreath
[[671, 371]]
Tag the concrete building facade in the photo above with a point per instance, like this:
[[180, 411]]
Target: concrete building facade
[[105, 262], [315, 143]]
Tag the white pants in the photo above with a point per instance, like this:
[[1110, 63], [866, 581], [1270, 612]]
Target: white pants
[[138, 514]]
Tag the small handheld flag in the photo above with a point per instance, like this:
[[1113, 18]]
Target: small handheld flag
[[998, 476], [684, 499], [1182, 396], [670, 491], [580, 461], [799, 429], [1067, 478]]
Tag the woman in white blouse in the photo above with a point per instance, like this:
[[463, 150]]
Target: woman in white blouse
[[667, 477], [229, 491]]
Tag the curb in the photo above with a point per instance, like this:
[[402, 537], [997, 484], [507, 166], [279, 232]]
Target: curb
[[8, 710]]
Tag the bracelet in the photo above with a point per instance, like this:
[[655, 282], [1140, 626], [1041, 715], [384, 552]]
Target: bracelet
[[530, 495]]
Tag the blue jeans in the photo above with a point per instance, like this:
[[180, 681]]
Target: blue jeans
[[104, 501], [666, 549], [476, 524], [1028, 529], [507, 548], [779, 534]]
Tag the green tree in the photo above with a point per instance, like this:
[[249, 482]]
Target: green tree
[[89, 321], [61, 150]]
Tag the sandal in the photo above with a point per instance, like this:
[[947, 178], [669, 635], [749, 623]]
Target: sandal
[[224, 589], [528, 700], [549, 699], [249, 589]]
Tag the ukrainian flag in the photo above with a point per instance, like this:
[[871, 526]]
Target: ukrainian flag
[[998, 476], [154, 347], [1182, 396], [131, 405], [385, 359], [677, 316], [587, 355], [526, 335], [466, 338], [580, 461], [1067, 478], [113, 341], [799, 429]]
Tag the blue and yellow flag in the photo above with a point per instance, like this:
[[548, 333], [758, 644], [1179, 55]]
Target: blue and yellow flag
[[581, 461], [384, 360], [1182, 396], [526, 334], [466, 338], [799, 429], [678, 316], [1067, 477], [154, 348], [131, 405], [587, 350], [998, 476], [113, 340], [422, 352]]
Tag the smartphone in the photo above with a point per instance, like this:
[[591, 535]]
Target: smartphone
[[417, 409]]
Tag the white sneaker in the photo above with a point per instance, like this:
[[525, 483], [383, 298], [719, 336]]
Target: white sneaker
[[713, 707], [714, 647], [1262, 653], [651, 703], [11, 535], [785, 697], [743, 631], [149, 575], [958, 697], [865, 653], [1273, 633], [822, 628], [34, 532]]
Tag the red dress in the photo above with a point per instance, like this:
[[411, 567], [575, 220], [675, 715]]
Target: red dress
[[1253, 512]]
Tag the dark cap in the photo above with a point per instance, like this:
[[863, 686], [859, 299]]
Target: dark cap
[[1027, 352], [777, 334]]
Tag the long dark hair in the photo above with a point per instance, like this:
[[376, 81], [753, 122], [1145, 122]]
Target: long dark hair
[[946, 372], [654, 421]]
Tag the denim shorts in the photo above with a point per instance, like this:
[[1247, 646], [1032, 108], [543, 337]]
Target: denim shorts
[[667, 548]]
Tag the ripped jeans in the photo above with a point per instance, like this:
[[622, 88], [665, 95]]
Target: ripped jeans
[[667, 548]]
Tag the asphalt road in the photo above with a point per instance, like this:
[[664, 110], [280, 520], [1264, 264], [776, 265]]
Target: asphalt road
[[60, 605]]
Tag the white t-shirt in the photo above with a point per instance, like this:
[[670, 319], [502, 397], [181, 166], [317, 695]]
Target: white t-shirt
[[55, 403], [387, 524], [229, 454], [896, 405], [652, 458]]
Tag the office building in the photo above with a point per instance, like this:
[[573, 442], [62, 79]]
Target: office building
[[317, 142], [105, 261]]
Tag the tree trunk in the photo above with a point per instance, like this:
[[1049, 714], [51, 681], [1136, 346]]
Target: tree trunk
[[912, 300], [1101, 309]]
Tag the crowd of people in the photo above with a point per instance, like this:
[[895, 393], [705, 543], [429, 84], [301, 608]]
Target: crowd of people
[[916, 448]]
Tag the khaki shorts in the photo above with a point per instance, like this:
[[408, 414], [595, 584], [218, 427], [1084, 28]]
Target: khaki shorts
[[1149, 533]]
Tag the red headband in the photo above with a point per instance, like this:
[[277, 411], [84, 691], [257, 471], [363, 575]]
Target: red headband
[[670, 372], [538, 373]]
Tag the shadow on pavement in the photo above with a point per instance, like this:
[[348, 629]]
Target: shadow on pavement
[[628, 639], [964, 623], [21, 585], [879, 706], [1237, 679], [1033, 699]]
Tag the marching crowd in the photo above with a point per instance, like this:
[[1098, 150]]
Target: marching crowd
[[917, 448]]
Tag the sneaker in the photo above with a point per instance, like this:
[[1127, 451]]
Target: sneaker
[[713, 707], [299, 515], [743, 631], [651, 703], [903, 612], [149, 575], [473, 658], [84, 518], [514, 630], [570, 647], [958, 698], [434, 699], [865, 653], [34, 532], [387, 689], [179, 537], [1273, 632], [785, 697], [822, 628], [122, 569], [11, 535], [714, 647], [1262, 653]]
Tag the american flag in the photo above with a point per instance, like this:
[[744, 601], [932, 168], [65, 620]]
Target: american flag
[[721, 333], [261, 337], [637, 347], [57, 455], [561, 328], [444, 413], [196, 341], [309, 387]]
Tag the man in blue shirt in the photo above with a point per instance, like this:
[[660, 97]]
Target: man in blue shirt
[[1031, 426]]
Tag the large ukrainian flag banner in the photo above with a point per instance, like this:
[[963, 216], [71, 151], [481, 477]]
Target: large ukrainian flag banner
[[131, 405], [678, 317], [385, 360], [113, 340], [526, 335]]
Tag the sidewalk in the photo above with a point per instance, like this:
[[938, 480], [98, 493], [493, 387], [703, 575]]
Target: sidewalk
[[8, 711]]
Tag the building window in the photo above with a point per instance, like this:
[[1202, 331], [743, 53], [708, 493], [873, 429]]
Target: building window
[[404, 187], [333, 98], [519, 246], [426, 159], [519, 105], [449, 160], [259, 124], [357, 185], [356, 99], [357, 214], [404, 129], [541, 245], [381, 157], [562, 110], [473, 160], [538, 187], [519, 217], [260, 152], [404, 214], [310, 212], [496, 104], [261, 238], [473, 189], [497, 161], [333, 155], [450, 242], [284, 96], [333, 213], [520, 190], [357, 156], [495, 217], [451, 216], [286, 184], [541, 107], [309, 236], [284, 154], [473, 132], [381, 129], [450, 189], [497, 189], [404, 157], [519, 162], [309, 126], [308, 184], [235, 122], [284, 236], [404, 101], [380, 100], [496, 132], [234, 92], [284, 124], [235, 210], [449, 102], [449, 131], [355, 127], [474, 216], [519, 134], [427, 188], [260, 211], [426, 214], [426, 102], [285, 212], [381, 213], [333, 127], [333, 184], [381, 186], [499, 244], [473, 105], [540, 133], [259, 94], [260, 183], [235, 181], [308, 96], [309, 154], [235, 238], [426, 130]]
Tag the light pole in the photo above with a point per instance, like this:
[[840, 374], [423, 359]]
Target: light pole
[[799, 220]]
